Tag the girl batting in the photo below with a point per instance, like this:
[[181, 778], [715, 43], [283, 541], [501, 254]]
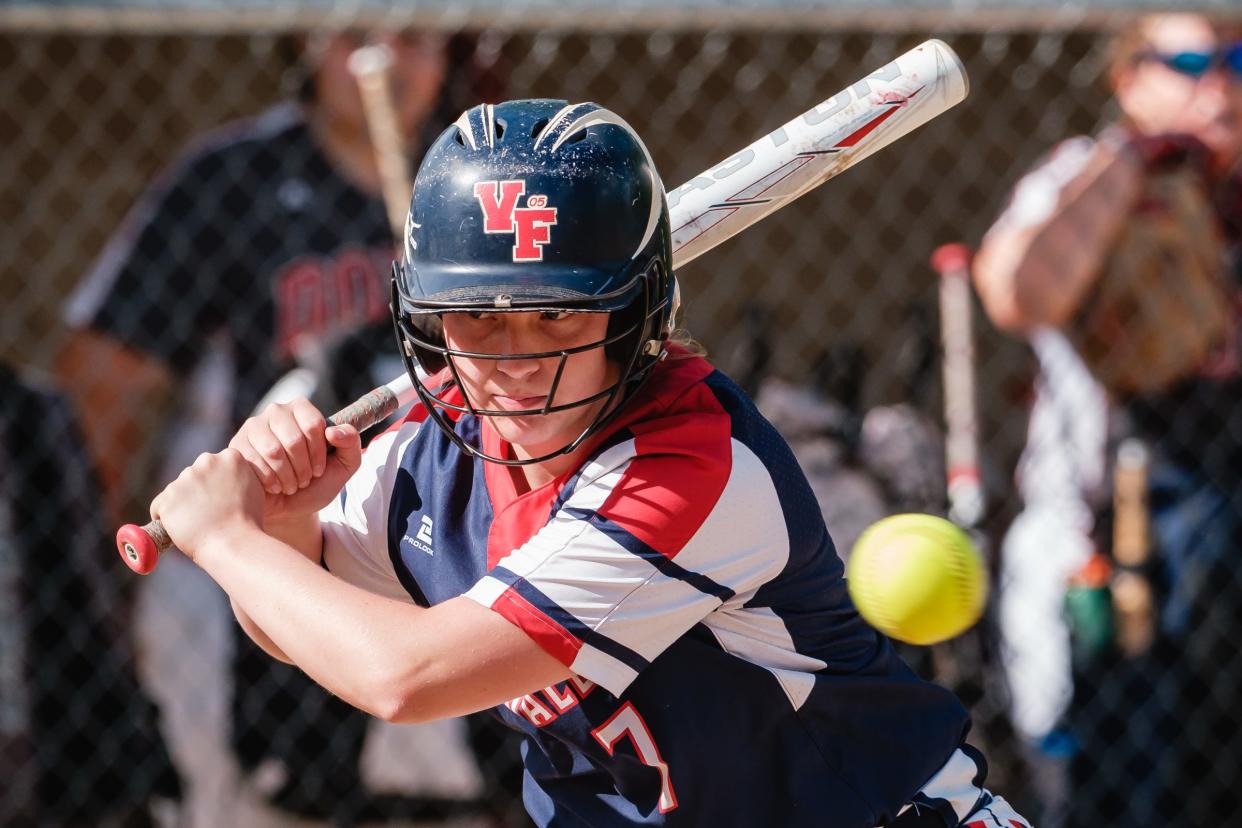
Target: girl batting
[[583, 526]]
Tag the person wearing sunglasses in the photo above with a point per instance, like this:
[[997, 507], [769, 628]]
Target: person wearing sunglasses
[[1196, 63], [1118, 257]]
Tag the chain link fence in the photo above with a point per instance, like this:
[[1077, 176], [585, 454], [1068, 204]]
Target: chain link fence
[[116, 693]]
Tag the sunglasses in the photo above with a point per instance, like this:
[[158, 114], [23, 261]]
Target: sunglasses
[[1197, 64]]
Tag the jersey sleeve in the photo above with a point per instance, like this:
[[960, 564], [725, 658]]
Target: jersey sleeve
[[658, 532], [1036, 195], [160, 284], [354, 525]]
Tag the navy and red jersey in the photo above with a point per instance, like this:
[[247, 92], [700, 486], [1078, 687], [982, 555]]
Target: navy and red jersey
[[251, 243], [684, 574]]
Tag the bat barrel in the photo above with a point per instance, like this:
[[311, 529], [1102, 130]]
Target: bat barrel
[[820, 143]]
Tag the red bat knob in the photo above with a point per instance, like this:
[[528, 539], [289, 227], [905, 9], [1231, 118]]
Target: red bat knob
[[140, 546], [950, 258]]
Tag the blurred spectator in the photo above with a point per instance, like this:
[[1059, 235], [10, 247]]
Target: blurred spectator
[[267, 241], [1062, 480], [1113, 240], [79, 739]]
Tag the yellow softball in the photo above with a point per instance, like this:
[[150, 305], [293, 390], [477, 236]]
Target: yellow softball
[[917, 578]]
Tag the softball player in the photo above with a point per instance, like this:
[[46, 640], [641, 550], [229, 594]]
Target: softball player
[[583, 525]]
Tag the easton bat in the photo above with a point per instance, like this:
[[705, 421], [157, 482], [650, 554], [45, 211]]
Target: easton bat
[[814, 147], [730, 196]]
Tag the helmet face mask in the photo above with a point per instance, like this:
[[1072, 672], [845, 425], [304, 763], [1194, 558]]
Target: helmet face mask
[[591, 236], [425, 352]]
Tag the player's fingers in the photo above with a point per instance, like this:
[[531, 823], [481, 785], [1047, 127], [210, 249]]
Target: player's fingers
[[312, 423], [348, 444], [272, 450], [267, 478], [245, 443], [284, 424]]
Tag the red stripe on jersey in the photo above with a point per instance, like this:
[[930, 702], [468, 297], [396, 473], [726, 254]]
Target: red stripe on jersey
[[516, 518], [675, 386], [679, 470], [554, 639]]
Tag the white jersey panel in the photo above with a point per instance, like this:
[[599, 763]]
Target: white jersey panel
[[583, 566], [355, 540], [758, 635]]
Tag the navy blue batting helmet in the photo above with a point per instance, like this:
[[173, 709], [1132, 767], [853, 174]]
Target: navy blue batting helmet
[[536, 205]]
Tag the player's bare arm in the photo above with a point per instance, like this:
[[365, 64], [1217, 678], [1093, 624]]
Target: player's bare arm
[[1035, 273], [454, 659], [397, 661], [394, 660], [301, 465]]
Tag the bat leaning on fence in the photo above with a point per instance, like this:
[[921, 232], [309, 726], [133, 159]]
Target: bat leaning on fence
[[737, 192], [962, 660], [968, 664], [965, 485]]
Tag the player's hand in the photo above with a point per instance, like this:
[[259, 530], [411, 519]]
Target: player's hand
[[287, 446], [1170, 150], [218, 493]]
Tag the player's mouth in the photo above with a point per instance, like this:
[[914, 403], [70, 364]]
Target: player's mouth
[[515, 403]]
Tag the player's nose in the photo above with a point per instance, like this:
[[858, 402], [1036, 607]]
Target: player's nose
[[517, 367]]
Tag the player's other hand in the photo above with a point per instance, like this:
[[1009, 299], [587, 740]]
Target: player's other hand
[[1170, 150], [218, 493], [287, 446]]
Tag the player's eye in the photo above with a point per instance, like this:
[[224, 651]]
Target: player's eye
[[554, 316]]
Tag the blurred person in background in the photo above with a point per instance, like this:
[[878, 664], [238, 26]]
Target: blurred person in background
[[1062, 480], [264, 247], [1119, 255], [79, 742]]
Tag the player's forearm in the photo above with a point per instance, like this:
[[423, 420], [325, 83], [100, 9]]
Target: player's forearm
[[1036, 275], [343, 637], [303, 533], [257, 635]]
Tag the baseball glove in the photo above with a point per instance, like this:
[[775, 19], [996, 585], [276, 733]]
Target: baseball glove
[[1162, 301]]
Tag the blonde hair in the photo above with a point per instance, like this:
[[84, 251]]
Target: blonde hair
[[689, 345]]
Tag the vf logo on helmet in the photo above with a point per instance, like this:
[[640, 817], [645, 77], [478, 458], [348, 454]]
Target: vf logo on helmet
[[530, 225]]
